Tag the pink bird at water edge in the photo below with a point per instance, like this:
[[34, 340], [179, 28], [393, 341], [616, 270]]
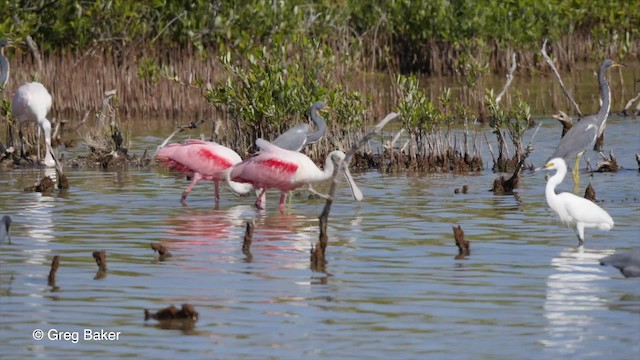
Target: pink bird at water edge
[[277, 168], [202, 160]]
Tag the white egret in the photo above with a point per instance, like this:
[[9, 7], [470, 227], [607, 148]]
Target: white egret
[[572, 209]]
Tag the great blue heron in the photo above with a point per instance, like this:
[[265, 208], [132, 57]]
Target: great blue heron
[[583, 134], [5, 228], [300, 135], [30, 103], [628, 262], [573, 210]]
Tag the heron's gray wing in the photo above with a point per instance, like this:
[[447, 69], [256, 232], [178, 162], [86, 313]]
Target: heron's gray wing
[[579, 138], [293, 139]]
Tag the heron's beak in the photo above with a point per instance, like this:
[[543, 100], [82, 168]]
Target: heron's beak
[[618, 64], [355, 190]]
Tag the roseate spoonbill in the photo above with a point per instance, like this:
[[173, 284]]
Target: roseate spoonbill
[[628, 262], [572, 209], [583, 134], [30, 103], [300, 135], [202, 160], [5, 229], [277, 168]]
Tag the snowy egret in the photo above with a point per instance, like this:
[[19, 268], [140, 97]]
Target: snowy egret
[[572, 209]]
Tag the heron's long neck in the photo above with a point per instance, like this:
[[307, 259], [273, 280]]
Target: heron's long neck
[[320, 124], [550, 191], [4, 70], [605, 96]]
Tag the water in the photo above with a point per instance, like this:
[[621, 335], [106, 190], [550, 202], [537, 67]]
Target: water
[[393, 290]]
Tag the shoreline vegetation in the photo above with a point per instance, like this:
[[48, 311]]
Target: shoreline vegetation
[[253, 68]]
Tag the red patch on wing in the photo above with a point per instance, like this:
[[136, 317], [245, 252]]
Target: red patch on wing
[[281, 166], [218, 160]]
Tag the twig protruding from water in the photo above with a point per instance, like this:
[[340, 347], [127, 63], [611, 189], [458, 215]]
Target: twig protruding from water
[[192, 125], [248, 239], [590, 193], [101, 259], [318, 260], [55, 264], [609, 164], [162, 251], [464, 246]]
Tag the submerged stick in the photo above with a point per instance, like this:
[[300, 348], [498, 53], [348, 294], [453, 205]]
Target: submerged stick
[[248, 239], [55, 264], [162, 251], [101, 259], [464, 246], [318, 260], [557, 74]]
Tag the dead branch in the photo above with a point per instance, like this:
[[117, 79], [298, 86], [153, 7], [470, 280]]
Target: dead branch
[[625, 111], [464, 246], [514, 65], [248, 239], [557, 74], [318, 260], [192, 125]]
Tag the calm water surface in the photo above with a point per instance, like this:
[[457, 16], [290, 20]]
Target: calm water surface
[[393, 289]]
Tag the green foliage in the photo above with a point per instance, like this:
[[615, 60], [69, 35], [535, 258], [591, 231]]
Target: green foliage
[[514, 121], [271, 88], [419, 114], [401, 28]]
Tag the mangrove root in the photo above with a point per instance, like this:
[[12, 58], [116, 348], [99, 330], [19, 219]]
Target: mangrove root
[[101, 260], [44, 186], [162, 251], [188, 312], [248, 239], [55, 264], [464, 246], [609, 164], [590, 193]]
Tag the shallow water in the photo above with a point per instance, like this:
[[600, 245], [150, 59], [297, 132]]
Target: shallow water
[[393, 290]]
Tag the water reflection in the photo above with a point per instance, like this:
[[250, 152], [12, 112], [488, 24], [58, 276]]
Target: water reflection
[[575, 292]]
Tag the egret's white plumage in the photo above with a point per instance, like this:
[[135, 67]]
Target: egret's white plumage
[[572, 209]]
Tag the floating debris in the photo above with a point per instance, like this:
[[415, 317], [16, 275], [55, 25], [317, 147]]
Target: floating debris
[[464, 190], [55, 264], [188, 312], [628, 262], [464, 246], [609, 164], [44, 186], [162, 251]]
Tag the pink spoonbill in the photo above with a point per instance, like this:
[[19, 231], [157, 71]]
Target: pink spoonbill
[[286, 170], [202, 160]]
